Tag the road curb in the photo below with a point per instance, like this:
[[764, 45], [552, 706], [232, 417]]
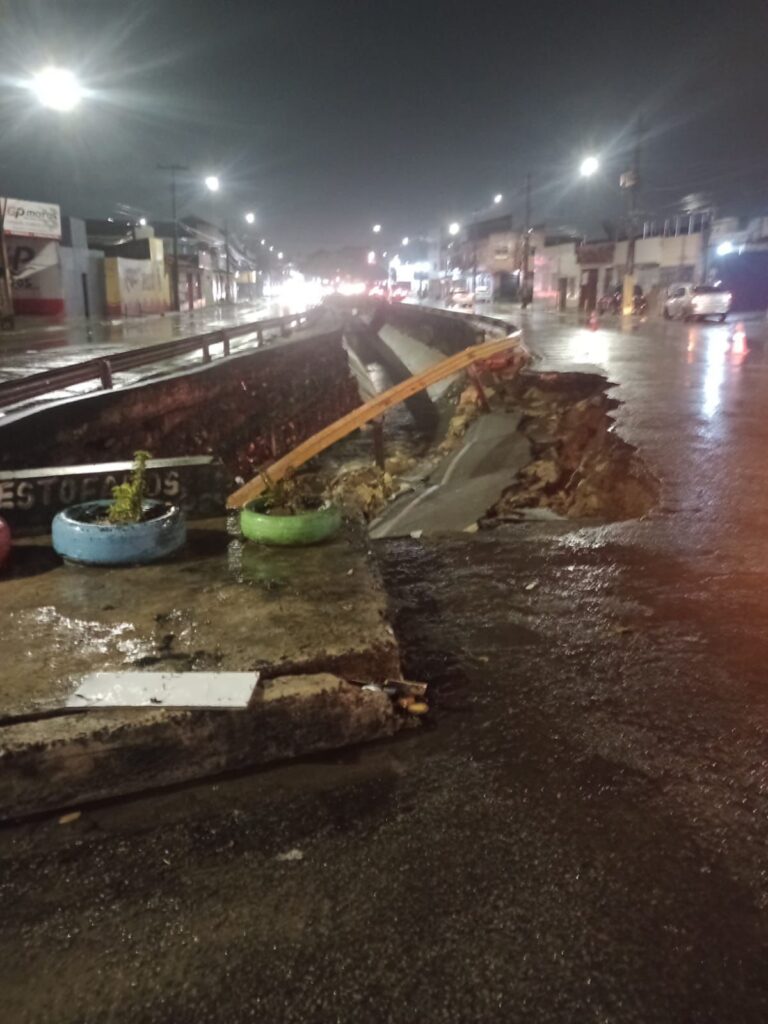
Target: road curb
[[70, 759]]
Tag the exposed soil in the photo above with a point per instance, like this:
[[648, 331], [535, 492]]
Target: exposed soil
[[582, 468], [95, 514]]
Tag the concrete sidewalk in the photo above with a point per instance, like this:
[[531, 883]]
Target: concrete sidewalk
[[307, 619]]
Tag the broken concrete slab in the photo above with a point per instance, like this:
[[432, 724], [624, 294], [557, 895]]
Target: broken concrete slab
[[77, 757], [300, 621], [468, 481]]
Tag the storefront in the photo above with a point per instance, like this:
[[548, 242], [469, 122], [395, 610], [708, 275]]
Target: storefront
[[32, 238]]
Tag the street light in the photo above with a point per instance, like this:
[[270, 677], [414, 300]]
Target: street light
[[454, 228], [250, 218], [57, 88], [371, 257], [589, 166], [497, 198], [406, 240], [279, 255], [376, 229], [142, 222], [212, 183]]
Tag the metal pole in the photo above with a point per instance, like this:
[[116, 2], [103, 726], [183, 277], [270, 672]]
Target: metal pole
[[526, 296], [227, 287], [173, 168], [174, 215], [474, 260], [6, 291], [634, 183], [706, 235]]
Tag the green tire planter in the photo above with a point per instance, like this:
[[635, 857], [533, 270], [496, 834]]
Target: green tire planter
[[288, 531]]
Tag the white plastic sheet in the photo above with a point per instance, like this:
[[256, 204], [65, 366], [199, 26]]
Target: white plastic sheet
[[164, 689]]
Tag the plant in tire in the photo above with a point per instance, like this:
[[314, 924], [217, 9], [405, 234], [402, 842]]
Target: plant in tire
[[130, 529], [128, 498]]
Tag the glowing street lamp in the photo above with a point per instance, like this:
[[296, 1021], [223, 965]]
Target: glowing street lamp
[[250, 218], [497, 198], [371, 256], [142, 222], [454, 228], [212, 183], [377, 229], [589, 166], [57, 88], [406, 240], [279, 255]]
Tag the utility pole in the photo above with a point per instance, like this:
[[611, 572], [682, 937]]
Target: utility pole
[[630, 181], [6, 286], [227, 269], [527, 290], [473, 229], [174, 168]]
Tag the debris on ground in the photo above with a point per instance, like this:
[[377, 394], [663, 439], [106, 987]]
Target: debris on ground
[[361, 491], [68, 819], [290, 855], [418, 708]]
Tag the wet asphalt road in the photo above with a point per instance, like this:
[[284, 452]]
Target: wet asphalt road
[[578, 835]]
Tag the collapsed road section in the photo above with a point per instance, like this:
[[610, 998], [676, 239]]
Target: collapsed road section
[[303, 629]]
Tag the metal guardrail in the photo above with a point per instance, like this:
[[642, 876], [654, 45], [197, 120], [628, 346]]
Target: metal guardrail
[[37, 384]]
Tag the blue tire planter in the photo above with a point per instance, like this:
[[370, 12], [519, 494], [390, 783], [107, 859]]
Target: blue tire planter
[[78, 538], [288, 531]]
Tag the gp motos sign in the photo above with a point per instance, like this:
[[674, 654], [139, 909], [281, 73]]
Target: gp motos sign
[[31, 220]]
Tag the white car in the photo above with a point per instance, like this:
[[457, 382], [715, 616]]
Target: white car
[[462, 298], [697, 301]]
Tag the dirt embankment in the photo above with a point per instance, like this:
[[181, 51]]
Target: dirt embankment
[[581, 467]]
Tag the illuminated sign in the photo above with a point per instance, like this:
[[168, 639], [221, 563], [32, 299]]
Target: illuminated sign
[[31, 220]]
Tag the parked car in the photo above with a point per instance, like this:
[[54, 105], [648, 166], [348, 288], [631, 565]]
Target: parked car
[[462, 297], [697, 301]]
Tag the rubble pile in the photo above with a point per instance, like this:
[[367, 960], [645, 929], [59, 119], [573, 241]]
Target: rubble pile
[[361, 491]]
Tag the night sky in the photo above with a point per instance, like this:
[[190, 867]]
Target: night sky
[[325, 116]]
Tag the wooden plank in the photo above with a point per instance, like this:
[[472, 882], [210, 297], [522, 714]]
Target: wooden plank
[[370, 410]]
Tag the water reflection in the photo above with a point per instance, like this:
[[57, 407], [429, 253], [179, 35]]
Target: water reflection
[[588, 346], [721, 351], [714, 374]]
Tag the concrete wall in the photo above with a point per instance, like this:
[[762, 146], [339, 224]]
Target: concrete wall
[[135, 287], [247, 409], [550, 264]]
